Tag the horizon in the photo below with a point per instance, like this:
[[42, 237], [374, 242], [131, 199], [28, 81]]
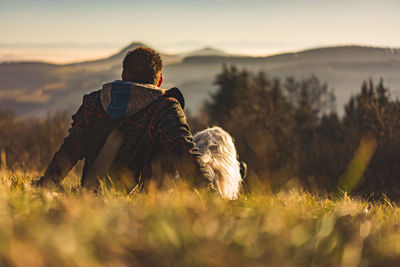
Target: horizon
[[68, 31], [51, 51]]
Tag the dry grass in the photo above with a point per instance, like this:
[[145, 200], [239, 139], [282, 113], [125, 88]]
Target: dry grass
[[182, 227]]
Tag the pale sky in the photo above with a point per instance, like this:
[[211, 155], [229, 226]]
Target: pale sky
[[257, 27]]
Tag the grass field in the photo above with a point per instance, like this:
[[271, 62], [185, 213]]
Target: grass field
[[183, 227]]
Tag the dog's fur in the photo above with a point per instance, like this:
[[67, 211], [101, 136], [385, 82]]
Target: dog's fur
[[219, 155]]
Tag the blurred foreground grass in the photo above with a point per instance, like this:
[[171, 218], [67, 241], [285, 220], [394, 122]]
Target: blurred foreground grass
[[182, 227]]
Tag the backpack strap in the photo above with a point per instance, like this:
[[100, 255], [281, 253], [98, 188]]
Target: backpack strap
[[104, 159]]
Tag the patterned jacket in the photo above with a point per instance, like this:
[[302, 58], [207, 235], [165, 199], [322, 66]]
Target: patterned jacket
[[152, 123]]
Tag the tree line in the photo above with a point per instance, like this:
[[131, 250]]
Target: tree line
[[289, 130], [286, 130]]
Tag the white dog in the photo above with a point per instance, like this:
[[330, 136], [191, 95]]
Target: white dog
[[218, 152]]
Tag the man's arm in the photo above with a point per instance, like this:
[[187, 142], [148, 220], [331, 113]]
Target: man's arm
[[72, 150], [176, 140]]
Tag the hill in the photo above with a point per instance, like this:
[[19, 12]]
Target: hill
[[38, 88]]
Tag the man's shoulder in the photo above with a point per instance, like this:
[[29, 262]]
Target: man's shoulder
[[91, 99], [171, 100], [93, 94], [175, 95], [170, 109]]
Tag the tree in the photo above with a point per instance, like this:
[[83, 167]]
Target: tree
[[232, 85]]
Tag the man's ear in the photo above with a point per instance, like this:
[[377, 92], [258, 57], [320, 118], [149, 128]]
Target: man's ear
[[123, 75], [160, 81]]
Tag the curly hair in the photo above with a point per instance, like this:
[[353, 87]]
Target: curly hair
[[142, 65]]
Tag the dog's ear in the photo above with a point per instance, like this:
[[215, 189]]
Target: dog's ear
[[243, 169]]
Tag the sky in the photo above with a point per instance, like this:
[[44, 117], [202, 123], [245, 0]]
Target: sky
[[90, 29]]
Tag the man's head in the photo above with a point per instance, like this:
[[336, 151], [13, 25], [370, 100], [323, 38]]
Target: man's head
[[142, 65]]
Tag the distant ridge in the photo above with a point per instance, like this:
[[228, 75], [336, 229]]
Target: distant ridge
[[125, 50], [322, 54], [344, 53], [45, 87], [347, 53], [206, 51], [332, 53], [118, 55]]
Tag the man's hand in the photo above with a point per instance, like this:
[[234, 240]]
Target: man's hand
[[46, 182]]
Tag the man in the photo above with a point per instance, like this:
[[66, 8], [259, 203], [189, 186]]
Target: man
[[120, 129]]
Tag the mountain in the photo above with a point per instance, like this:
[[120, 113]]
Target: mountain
[[37, 88], [206, 51], [116, 59]]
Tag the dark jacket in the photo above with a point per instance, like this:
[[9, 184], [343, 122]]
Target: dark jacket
[[152, 122]]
